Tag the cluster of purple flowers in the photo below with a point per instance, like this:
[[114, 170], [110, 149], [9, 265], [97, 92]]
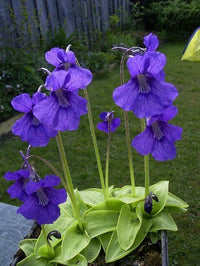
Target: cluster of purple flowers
[[43, 117], [61, 110], [150, 97], [40, 198]]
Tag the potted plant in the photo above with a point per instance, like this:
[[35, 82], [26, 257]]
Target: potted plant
[[77, 227]]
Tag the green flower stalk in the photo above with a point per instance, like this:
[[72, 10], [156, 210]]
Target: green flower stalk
[[68, 179], [130, 157]]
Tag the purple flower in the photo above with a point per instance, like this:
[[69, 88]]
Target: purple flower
[[114, 122], [43, 200], [151, 42], [159, 136], [63, 108], [65, 60], [29, 128], [17, 190], [146, 93]]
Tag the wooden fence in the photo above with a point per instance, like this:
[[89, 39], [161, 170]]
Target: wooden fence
[[32, 20]]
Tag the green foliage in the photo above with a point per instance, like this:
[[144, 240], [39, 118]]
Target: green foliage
[[128, 225], [18, 74], [172, 17]]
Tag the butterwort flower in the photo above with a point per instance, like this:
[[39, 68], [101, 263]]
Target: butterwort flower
[[159, 136], [65, 60], [151, 42], [146, 93], [108, 117], [29, 128], [21, 178], [63, 108], [43, 200]]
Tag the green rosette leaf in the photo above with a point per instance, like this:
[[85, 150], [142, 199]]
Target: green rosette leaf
[[105, 239], [74, 241], [174, 201], [31, 260], [91, 252], [128, 226], [27, 245], [115, 252], [100, 222], [61, 259], [163, 221]]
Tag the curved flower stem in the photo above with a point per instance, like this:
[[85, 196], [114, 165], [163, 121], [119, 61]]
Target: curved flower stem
[[53, 169], [108, 157], [146, 163], [95, 144], [50, 249], [130, 157], [68, 179]]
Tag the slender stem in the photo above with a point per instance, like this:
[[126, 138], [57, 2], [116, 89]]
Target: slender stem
[[130, 157], [68, 178], [95, 144], [146, 163], [108, 156], [50, 249]]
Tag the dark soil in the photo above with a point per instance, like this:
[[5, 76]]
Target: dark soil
[[147, 254]]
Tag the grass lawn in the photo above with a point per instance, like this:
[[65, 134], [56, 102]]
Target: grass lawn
[[182, 172]]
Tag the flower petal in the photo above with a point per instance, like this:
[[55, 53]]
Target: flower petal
[[66, 57], [166, 92], [146, 105], [66, 119], [57, 196], [115, 124], [171, 132], [51, 57], [51, 181], [144, 142], [163, 149], [151, 42], [80, 78], [125, 95], [21, 126], [46, 110], [22, 103], [57, 80]]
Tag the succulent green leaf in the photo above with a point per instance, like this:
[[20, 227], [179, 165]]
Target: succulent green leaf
[[115, 252], [74, 241], [174, 201], [44, 252], [127, 227], [163, 221], [92, 196], [110, 204], [154, 237], [105, 239], [27, 245], [161, 191], [79, 260], [31, 260], [91, 252], [100, 221], [60, 259]]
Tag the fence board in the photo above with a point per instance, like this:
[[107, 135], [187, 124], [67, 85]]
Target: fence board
[[33, 19], [42, 17], [53, 15], [32, 22]]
